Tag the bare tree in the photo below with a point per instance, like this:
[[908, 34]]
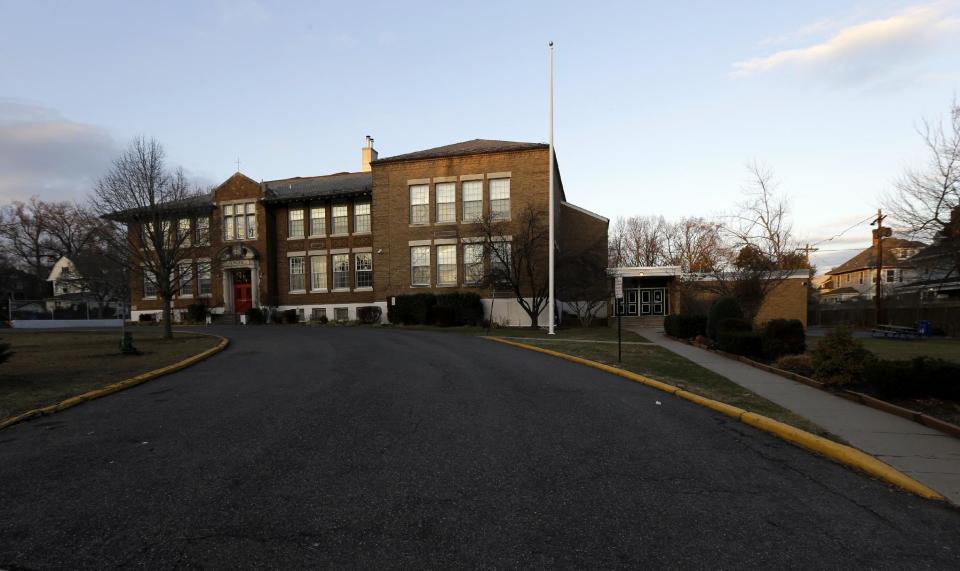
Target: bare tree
[[142, 194], [649, 240], [517, 251], [69, 227], [617, 244], [697, 245], [927, 199], [582, 281], [23, 227]]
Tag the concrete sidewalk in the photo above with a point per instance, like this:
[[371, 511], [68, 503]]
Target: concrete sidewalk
[[927, 455]]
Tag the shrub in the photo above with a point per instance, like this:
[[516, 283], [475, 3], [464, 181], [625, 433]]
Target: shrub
[[5, 352], [799, 364], [722, 308], [146, 317], [783, 337], [733, 324], [256, 316], [685, 326], [323, 320], [745, 343], [918, 377], [411, 309], [197, 312], [442, 315], [467, 308], [839, 359], [369, 314], [290, 316]]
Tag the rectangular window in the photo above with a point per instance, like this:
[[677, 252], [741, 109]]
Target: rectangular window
[[472, 200], [186, 278], [891, 276], [500, 261], [364, 263], [183, 232], [204, 278], [861, 277], [240, 221], [500, 199], [295, 223], [202, 236], [446, 202], [296, 274], [420, 204], [472, 263], [318, 273], [420, 265], [340, 219], [341, 267], [341, 313], [361, 217], [318, 221], [447, 265], [318, 314], [149, 283]]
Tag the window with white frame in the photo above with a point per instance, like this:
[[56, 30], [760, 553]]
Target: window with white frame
[[295, 223], [296, 273], [340, 219], [361, 217], [472, 263], [318, 221], [204, 278], [419, 204], [420, 265], [341, 267], [446, 202], [240, 221], [861, 278], [318, 273], [183, 232], [472, 191], [149, 283], [318, 314], [364, 265], [891, 276], [447, 265], [341, 313], [186, 278], [501, 260], [500, 198], [202, 231]]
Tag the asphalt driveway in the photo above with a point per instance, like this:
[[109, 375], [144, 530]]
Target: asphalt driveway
[[357, 447]]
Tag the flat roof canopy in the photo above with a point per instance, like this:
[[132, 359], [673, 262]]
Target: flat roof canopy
[[645, 271]]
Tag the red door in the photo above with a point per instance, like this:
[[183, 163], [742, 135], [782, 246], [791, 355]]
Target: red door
[[242, 292]]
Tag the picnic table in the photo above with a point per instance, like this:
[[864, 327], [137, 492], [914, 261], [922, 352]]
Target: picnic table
[[895, 332]]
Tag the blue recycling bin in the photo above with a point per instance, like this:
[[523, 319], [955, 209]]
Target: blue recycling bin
[[925, 327]]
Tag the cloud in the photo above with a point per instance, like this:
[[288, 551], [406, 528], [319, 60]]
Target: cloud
[[867, 50], [42, 153]]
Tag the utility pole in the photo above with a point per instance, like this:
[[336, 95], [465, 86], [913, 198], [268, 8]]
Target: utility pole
[[806, 252], [806, 256], [880, 233]]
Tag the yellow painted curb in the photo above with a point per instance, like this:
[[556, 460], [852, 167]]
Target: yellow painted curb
[[840, 453], [119, 386]]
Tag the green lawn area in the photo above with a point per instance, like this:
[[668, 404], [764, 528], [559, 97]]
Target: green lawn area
[[948, 349], [662, 365], [586, 333], [50, 366]]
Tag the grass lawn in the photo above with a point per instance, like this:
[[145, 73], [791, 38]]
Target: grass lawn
[[586, 333], [660, 364], [50, 366], [948, 349]]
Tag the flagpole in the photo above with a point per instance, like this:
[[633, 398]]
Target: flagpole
[[552, 244]]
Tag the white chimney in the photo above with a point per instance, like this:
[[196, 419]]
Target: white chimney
[[368, 154]]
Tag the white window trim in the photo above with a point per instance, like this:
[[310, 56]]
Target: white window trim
[[340, 289], [365, 288]]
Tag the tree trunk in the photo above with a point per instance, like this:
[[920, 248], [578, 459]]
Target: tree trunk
[[167, 318]]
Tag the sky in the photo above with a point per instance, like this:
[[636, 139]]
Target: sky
[[659, 105]]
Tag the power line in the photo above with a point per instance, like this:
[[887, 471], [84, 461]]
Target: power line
[[835, 236]]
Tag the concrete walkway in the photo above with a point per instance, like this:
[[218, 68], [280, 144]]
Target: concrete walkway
[[927, 455]]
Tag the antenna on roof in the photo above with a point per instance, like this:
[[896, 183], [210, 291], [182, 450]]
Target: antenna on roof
[[238, 164]]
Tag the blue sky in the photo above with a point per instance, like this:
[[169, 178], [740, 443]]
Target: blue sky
[[659, 105]]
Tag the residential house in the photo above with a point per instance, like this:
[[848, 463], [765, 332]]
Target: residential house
[[856, 279]]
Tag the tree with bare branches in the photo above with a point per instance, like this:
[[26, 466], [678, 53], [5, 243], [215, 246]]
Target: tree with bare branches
[[146, 198], [517, 251], [23, 228]]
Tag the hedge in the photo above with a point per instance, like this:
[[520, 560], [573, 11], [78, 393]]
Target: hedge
[[685, 326], [745, 343], [839, 359], [449, 309], [917, 377], [723, 308], [784, 337]]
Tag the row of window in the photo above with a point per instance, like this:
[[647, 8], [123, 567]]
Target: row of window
[[190, 231], [185, 275], [340, 264], [446, 263], [240, 221], [339, 220], [892, 275], [471, 196]]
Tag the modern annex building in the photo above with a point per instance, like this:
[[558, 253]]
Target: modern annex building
[[326, 245]]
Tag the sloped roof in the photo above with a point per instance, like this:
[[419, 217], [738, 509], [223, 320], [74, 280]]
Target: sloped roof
[[868, 257], [194, 203], [299, 188], [472, 147]]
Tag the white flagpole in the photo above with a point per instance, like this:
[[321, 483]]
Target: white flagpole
[[552, 244]]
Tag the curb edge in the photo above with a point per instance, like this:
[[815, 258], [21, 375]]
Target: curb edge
[[840, 453]]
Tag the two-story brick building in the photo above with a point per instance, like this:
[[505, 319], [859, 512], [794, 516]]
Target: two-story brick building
[[327, 245]]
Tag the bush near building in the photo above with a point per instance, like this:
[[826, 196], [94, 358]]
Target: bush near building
[[445, 310], [684, 326], [197, 312], [723, 308], [783, 337], [917, 377], [839, 359], [255, 316]]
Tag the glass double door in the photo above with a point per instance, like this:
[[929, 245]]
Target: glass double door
[[643, 301]]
